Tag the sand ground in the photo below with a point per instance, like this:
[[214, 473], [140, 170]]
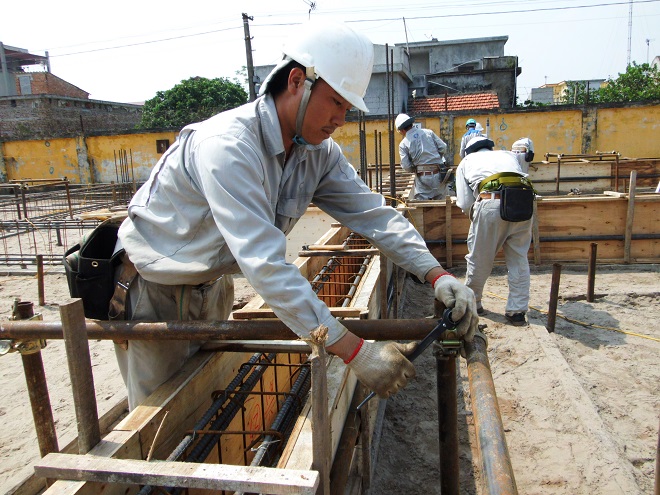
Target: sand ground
[[580, 406]]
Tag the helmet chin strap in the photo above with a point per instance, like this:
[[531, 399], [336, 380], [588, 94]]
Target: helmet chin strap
[[310, 79]]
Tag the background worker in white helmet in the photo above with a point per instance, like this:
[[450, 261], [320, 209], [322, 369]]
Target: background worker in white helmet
[[470, 132], [493, 190], [524, 151], [422, 152], [224, 196]]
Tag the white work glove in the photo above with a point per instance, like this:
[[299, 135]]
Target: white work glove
[[460, 299], [383, 366]]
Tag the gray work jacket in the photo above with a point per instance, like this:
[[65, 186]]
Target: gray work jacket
[[223, 197]]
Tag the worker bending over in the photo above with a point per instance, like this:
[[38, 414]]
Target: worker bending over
[[422, 152], [224, 196], [493, 190]]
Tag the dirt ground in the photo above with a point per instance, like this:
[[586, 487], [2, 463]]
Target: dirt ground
[[580, 406]]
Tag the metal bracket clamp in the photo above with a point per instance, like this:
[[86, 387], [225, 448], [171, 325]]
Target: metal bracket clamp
[[24, 347], [447, 348]]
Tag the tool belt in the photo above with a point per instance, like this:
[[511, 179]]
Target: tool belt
[[430, 169], [516, 193], [117, 306]]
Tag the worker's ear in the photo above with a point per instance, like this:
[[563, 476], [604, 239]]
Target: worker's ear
[[296, 79]]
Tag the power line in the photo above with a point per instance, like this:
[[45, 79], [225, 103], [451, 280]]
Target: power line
[[127, 45], [439, 16]]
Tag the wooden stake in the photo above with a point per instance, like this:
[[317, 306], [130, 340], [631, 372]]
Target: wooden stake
[[449, 248], [630, 217], [80, 370], [40, 278], [321, 435], [536, 239], [591, 274], [554, 295]]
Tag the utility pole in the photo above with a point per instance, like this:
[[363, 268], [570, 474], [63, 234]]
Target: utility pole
[[629, 31], [248, 54]]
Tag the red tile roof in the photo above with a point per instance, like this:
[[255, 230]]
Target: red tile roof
[[453, 103]]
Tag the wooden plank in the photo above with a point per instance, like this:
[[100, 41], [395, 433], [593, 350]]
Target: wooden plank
[[341, 386], [183, 398], [339, 312], [630, 216], [178, 474], [536, 243], [321, 435], [367, 290], [448, 234], [80, 372], [117, 444]]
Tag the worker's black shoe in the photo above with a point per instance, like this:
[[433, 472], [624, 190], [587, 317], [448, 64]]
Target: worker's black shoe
[[516, 319], [480, 310]]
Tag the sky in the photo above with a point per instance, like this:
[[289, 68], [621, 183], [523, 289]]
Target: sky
[[126, 51]]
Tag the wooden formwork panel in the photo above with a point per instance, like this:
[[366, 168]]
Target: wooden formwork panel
[[157, 426], [599, 175], [586, 218]]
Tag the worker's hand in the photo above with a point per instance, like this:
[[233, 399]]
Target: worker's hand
[[460, 299], [383, 366]]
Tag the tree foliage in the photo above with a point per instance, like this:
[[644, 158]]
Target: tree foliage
[[192, 100], [638, 83]]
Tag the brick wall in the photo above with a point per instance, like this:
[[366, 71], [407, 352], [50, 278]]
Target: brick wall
[[45, 83], [41, 117]]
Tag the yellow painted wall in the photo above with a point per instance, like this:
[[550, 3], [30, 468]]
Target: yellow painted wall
[[632, 131], [41, 159], [99, 157], [139, 149]]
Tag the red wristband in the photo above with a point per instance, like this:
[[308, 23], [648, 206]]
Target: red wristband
[[357, 349], [441, 275]]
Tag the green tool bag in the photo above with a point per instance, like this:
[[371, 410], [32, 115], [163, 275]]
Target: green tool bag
[[90, 268], [517, 195]]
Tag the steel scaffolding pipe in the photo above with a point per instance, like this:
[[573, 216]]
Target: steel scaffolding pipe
[[493, 452], [406, 329]]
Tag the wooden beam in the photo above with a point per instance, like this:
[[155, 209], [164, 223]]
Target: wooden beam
[[630, 216], [321, 434], [179, 474], [448, 234], [80, 372], [535, 235]]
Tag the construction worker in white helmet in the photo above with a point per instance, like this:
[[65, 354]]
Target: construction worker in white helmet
[[523, 148], [496, 194], [223, 198], [422, 153]]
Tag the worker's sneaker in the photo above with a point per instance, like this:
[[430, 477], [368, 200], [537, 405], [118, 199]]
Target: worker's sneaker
[[480, 310], [516, 319]]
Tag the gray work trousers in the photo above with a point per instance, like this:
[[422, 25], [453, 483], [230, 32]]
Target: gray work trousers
[[146, 364], [429, 187], [488, 234]]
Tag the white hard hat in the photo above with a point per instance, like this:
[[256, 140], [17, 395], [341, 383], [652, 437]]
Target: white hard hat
[[478, 143], [479, 127], [523, 144], [340, 56], [403, 120]]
